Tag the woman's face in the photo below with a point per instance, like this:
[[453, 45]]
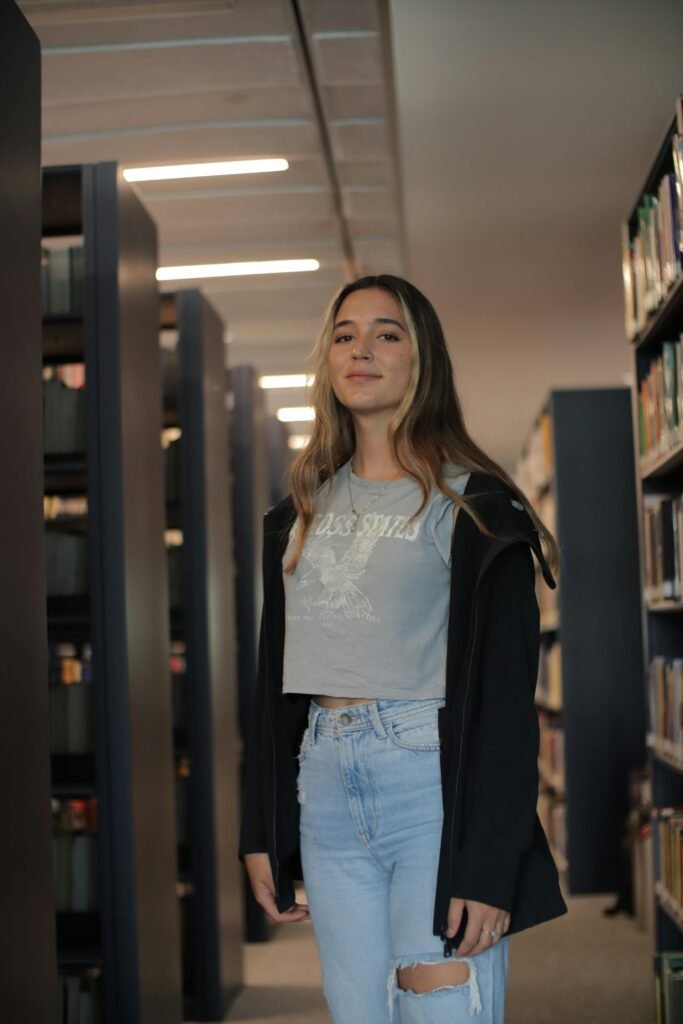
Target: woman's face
[[370, 356]]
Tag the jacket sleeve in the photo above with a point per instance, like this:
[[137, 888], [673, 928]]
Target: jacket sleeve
[[503, 787], [252, 828]]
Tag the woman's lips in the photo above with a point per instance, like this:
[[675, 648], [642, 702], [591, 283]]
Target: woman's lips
[[363, 376]]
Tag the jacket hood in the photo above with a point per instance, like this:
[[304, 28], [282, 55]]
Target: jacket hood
[[507, 518]]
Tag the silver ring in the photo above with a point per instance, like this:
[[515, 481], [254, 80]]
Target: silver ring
[[491, 933]]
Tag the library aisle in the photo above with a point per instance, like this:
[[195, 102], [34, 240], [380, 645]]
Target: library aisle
[[582, 967]]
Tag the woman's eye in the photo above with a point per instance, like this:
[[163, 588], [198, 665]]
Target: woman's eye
[[393, 337], [342, 337]]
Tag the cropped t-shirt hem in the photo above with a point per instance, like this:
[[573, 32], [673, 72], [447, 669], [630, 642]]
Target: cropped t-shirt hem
[[386, 693]]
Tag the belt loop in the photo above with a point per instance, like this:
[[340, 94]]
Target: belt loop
[[313, 713], [377, 721]]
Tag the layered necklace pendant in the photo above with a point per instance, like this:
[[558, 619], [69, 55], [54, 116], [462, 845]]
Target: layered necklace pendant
[[356, 513]]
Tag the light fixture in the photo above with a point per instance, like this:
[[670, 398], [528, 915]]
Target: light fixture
[[296, 414], [210, 169], [236, 269], [297, 441], [287, 380]]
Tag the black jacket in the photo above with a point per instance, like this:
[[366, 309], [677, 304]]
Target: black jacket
[[493, 847]]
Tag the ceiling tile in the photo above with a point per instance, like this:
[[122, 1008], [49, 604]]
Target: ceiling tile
[[342, 101], [349, 60], [191, 141], [333, 16], [135, 73], [89, 115], [362, 141], [88, 23]]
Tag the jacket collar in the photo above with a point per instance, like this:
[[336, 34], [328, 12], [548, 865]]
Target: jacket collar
[[495, 501]]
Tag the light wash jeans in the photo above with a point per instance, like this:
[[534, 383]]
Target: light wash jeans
[[371, 807]]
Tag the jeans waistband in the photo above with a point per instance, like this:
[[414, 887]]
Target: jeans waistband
[[371, 715]]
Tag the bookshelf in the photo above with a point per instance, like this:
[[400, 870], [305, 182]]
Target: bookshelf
[[652, 261], [118, 944], [203, 636], [578, 468], [28, 967]]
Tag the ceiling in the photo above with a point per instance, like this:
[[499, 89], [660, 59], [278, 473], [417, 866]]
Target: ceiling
[[488, 151]]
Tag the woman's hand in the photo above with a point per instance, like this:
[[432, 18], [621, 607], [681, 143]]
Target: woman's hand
[[481, 919], [262, 885]]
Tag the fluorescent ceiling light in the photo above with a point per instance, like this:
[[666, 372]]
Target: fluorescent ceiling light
[[236, 269], [296, 441], [296, 414], [205, 170], [286, 380]]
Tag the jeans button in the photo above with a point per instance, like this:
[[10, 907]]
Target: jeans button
[[345, 719]]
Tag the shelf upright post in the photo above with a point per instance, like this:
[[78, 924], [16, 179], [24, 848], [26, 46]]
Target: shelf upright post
[[251, 490], [129, 606], [210, 630]]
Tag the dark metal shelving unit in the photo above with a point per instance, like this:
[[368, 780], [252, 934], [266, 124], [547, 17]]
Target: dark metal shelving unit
[[662, 620], [134, 936], [598, 626], [212, 939]]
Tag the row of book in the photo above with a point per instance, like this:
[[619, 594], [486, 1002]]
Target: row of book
[[169, 364], [179, 684], [57, 506], [669, 987], [71, 719], [663, 541], [66, 555], [66, 563], [552, 814], [62, 280], [549, 682], [667, 833], [74, 852], [71, 374], [172, 470], [174, 554], [69, 663], [651, 259], [537, 463], [64, 418], [551, 754], [660, 402], [182, 798], [80, 997], [665, 700]]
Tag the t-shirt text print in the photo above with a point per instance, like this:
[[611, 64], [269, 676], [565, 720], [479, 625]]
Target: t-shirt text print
[[366, 609]]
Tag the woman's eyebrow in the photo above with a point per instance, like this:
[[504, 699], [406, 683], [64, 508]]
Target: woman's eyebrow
[[377, 320]]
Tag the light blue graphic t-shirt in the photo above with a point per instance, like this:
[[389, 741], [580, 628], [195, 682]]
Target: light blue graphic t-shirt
[[366, 610]]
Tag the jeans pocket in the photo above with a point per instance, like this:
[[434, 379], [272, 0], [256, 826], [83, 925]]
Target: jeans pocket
[[419, 732]]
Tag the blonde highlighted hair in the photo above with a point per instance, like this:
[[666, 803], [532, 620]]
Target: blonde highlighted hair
[[426, 430]]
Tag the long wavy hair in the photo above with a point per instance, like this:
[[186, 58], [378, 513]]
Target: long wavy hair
[[426, 430]]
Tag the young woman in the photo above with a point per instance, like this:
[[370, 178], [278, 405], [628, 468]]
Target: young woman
[[392, 759]]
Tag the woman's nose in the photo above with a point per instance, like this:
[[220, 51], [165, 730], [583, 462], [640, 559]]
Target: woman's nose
[[362, 348]]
